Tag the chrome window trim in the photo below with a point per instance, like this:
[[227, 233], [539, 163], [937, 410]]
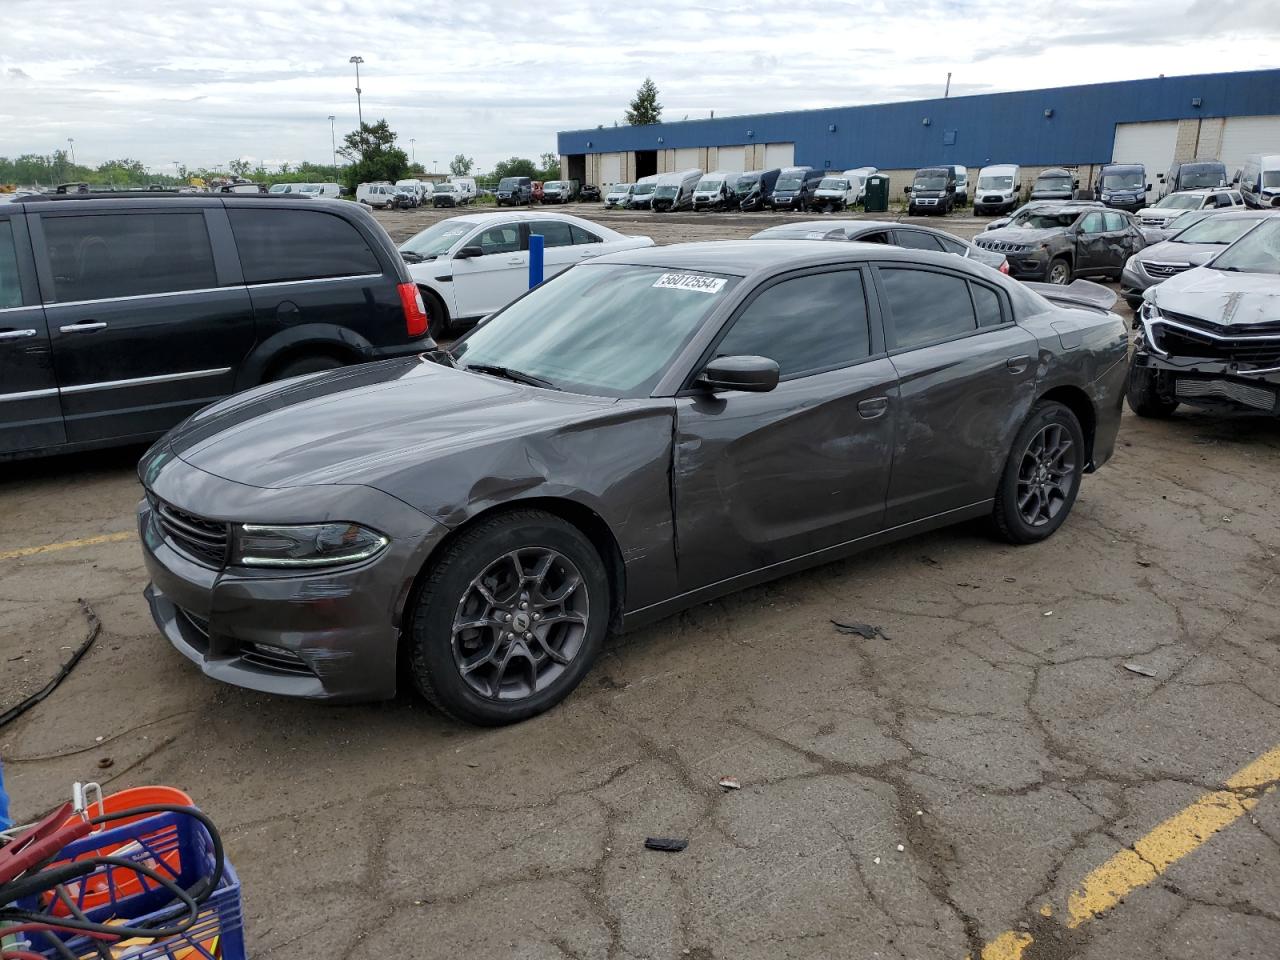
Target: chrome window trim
[[32, 306], [29, 394], [143, 381], [289, 283], [185, 293]]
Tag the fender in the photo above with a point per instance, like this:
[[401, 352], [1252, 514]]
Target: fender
[[322, 335]]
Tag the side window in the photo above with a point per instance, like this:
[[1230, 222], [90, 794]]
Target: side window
[[1236, 199], [988, 305], [500, 239], [10, 288], [1114, 221], [279, 245], [806, 324], [128, 255], [1092, 223], [583, 236], [918, 240], [925, 306], [555, 232], [881, 236], [952, 245]]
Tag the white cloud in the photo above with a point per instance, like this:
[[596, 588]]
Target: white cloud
[[495, 79]]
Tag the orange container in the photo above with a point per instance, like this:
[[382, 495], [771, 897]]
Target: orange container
[[96, 890]]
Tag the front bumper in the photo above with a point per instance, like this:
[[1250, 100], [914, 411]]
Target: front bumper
[[440, 202], [984, 206], [1130, 206], [324, 635], [1212, 385], [786, 203]]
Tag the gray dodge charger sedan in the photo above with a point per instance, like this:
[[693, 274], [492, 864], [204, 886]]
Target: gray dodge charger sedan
[[643, 432]]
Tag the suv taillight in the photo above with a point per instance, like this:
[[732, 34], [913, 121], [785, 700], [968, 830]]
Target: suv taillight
[[415, 312]]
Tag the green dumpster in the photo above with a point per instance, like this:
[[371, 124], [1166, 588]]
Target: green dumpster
[[877, 196]]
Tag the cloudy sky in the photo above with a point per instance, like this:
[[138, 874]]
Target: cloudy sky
[[203, 83]]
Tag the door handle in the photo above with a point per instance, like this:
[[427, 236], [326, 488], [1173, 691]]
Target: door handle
[[515, 261], [85, 326], [1017, 364], [873, 407], [16, 334]]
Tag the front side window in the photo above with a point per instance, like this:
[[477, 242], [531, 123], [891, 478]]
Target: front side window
[[806, 324], [925, 306], [10, 289], [918, 240], [126, 255], [1092, 223], [604, 329], [555, 233], [281, 245]]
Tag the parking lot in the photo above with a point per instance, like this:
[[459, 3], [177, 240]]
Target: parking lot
[[1064, 750]]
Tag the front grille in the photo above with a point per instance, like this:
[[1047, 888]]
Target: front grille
[[1258, 398], [1155, 268], [1152, 221], [203, 540], [1001, 246], [993, 199], [1258, 351], [274, 658]]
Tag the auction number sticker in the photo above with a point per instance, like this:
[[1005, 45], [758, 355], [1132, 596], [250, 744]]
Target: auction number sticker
[[689, 281]]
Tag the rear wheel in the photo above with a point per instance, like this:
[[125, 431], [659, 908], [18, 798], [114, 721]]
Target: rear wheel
[[1059, 271], [1144, 396], [510, 619], [1042, 475], [315, 363]]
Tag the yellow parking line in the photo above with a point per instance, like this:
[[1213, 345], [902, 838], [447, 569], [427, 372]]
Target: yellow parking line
[[67, 545], [1170, 841]]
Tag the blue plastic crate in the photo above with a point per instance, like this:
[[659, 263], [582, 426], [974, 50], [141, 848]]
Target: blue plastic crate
[[177, 847]]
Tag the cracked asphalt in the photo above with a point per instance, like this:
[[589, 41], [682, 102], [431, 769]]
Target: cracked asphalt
[[991, 731]]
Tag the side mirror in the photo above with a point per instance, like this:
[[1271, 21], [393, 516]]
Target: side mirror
[[749, 374], [466, 253], [1148, 186], [1160, 177], [906, 189], [1075, 184]]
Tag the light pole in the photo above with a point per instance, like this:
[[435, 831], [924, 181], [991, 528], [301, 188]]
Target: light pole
[[333, 142], [359, 108], [413, 154], [71, 142]]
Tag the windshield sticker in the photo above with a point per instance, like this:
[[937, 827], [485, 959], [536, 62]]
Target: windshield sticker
[[685, 281]]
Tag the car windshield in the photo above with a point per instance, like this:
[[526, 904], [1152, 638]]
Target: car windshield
[[788, 183], [833, 183], [1271, 178], [746, 183], [280, 188], [932, 182], [1220, 230], [707, 184], [1131, 180], [995, 183], [1202, 176], [437, 239], [666, 190], [643, 189], [1181, 201], [508, 183], [1043, 220], [552, 185], [620, 188], [1258, 251], [1055, 183], [605, 329]]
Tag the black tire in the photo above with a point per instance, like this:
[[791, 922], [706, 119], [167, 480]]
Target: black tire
[[1032, 503], [437, 317], [1143, 394], [1059, 271], [313, 363], [450, 587]]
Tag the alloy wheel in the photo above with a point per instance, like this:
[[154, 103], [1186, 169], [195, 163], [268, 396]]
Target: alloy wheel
[[520, 623], [1046, 475], [1059, 272]]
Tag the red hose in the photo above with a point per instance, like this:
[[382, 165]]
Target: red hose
[[20, 955]]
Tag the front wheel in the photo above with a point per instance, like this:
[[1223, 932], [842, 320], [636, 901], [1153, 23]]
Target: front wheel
[[1042, 475], [1143, 394], [1059, 271], [510, 619]]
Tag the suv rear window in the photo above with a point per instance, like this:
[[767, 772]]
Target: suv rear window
[[277, 245], [10, 291], [128, 254]]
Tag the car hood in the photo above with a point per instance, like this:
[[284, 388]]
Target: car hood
[[1025, 235], [364, 423], [1221, 297], [1195, 254], [1164, 213]]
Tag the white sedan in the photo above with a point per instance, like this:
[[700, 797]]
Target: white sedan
[[470, 266]]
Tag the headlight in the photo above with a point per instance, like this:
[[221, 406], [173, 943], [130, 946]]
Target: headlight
[[1132, 263], [304, 545]]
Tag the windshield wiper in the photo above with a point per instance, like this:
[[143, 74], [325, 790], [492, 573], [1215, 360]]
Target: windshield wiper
[[516, 376]]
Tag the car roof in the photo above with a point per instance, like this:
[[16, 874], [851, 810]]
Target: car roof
[[1242, 214], [1054, 172], [499, 216], [741, 258], [1202, 191]]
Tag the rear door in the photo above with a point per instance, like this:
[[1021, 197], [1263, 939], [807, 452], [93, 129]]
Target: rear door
[[557, 245], [30, 414], [966, 380], [147, 324], [314, 279], [490, 281]]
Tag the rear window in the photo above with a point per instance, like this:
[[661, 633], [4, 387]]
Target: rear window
[[278, 245], [128, 255], [10, 291]]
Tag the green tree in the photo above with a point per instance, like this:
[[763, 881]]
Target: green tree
[[373, 154], [645, 107], [550, 167], [461, 166], [516, 167], [240, 167]]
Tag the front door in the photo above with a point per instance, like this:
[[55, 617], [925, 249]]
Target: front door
[[30, 414], [966, 380], [142, 333], [761, 478], [490, 281], [1092, 253]]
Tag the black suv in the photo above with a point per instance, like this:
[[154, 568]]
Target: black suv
[[514, 192], [121, 315]]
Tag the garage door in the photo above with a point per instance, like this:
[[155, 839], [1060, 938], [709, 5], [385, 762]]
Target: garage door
[[1245, 135], [1150, 144], [610, 168], [732, 158], [687, 158], [779, 155]]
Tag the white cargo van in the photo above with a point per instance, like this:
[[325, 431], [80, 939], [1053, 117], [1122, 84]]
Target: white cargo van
[[837, 193], [714, 189], [998, 189], [675, 190], [642, 192], [421, 188], [380, 193], [327, 190], [468, 187], [1260, 180]]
